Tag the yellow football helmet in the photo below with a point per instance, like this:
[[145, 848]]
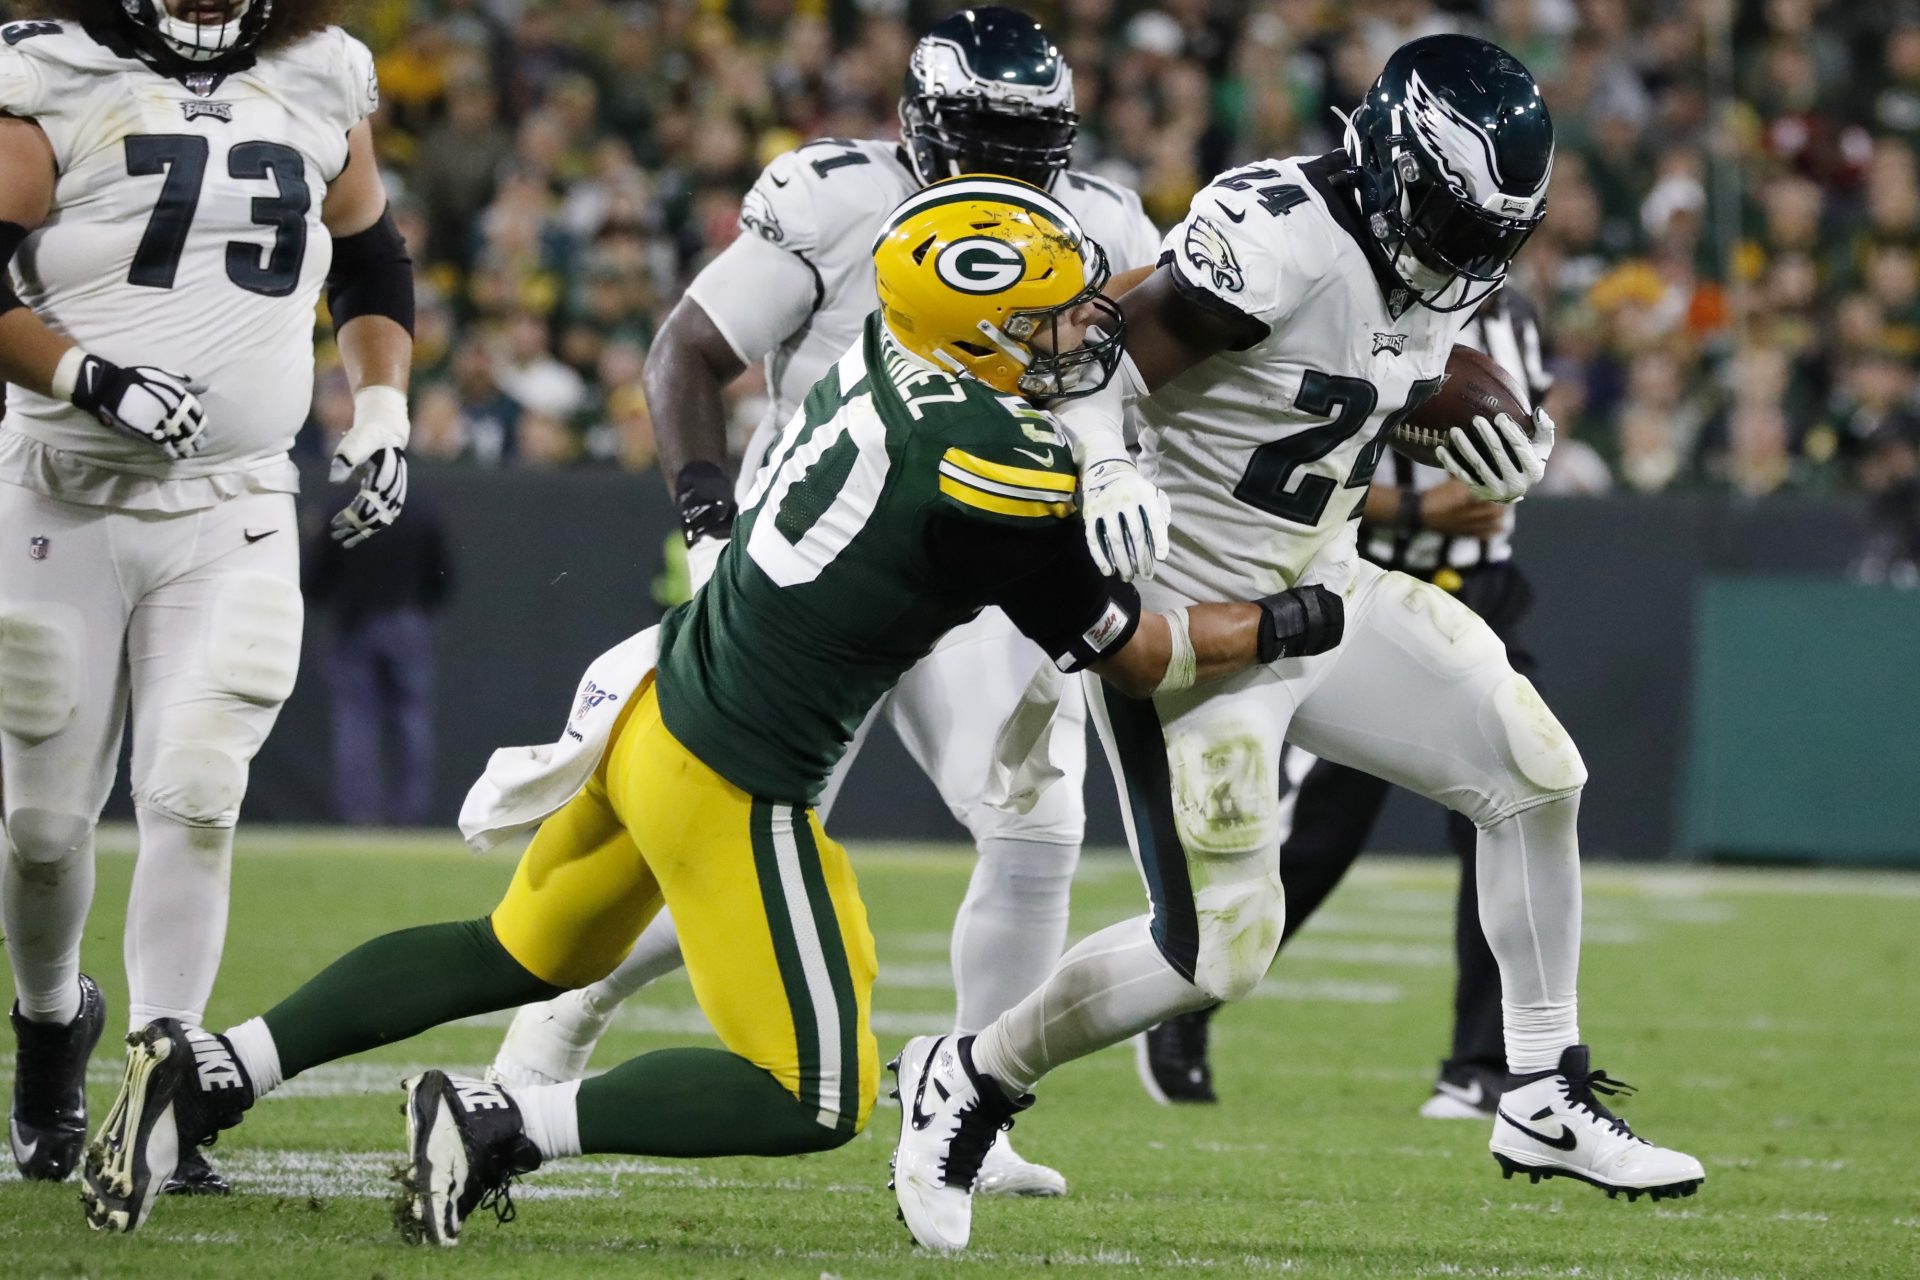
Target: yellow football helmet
[[973, 269]]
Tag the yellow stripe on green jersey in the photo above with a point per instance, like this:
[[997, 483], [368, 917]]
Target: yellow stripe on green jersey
[[1006, 490]]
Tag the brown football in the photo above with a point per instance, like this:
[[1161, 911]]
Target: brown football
[[1475, 386]]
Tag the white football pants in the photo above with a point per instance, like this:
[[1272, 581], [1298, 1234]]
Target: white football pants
[[193, 620], [1419, 693]]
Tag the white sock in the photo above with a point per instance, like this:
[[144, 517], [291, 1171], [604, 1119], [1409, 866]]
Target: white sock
[[1537, 1033], [45, 890], [259, 1056], [176, 918], [1528, 874], [1109, 987], [552, 1115], [1011, 927]]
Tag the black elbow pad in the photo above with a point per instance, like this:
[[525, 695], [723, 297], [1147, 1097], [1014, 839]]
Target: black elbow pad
[[372, 275]]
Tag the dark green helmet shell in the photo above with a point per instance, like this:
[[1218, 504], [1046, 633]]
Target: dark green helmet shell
[[987, 91], [1454, 147]]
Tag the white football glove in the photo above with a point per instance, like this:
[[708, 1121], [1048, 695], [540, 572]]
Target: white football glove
[[702, 556], [155, 406], [1126, 517], [1518, 463], [375, 453]]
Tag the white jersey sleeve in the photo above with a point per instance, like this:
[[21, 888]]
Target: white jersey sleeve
[[1237, 249], [763, 287], [822, 204], [22, 86]]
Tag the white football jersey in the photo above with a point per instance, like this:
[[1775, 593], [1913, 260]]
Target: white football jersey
[[185, 233], [1266, 452], [825, 203]]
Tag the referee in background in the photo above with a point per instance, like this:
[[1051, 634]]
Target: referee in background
[[1420, 521]]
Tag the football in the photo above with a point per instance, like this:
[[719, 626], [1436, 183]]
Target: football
[[1475, 385]]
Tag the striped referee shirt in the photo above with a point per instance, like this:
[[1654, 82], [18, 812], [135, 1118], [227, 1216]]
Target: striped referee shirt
[[1506, 327]]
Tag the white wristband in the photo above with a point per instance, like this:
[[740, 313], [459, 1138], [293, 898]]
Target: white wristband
[[1182, 664], [66, 374], [383, 412]]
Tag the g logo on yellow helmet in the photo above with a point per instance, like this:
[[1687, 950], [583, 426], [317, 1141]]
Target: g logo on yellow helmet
[[980, 265]]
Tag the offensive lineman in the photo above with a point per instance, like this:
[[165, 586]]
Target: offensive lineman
[[1335, 285], [900, 500], [176, 185], [986, 92]]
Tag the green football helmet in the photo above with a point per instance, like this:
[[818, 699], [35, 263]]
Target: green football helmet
[[1452, 149], [988, 92]]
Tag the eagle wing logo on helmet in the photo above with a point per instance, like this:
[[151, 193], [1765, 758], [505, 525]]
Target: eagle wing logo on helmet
[[1461, 147], [1207, 247]]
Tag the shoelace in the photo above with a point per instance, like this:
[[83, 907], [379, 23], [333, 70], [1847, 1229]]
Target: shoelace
[[975, 1136], [499, 1198], [1582, 1092]]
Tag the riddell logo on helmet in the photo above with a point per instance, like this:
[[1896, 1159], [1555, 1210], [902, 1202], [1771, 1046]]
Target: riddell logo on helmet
[[980, 264]]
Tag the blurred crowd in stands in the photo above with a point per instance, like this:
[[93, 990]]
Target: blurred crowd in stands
[[1729, 271]]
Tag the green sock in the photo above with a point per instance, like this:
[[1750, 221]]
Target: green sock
[[697, 1102], [397, 986]]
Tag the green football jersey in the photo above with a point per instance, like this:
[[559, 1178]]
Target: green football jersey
[[898, 503]]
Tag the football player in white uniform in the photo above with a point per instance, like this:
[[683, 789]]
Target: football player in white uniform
[[986, 92], [1299, 313], [178, 181]]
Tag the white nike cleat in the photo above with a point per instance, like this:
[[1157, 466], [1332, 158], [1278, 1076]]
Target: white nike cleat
[[549, 1042], [1553, 1125], [950, 1117], [1005, 1172]]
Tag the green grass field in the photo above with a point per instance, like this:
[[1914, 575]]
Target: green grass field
[[1768, 1018]]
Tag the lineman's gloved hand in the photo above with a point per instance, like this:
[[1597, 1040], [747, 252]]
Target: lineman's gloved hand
[[374, 453], [154, 406]]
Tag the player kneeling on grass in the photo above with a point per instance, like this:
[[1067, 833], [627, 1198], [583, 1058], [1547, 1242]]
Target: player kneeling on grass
[[917, 485]]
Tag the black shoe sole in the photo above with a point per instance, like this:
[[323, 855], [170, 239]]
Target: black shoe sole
[[196, 1178], [1671, 1191]]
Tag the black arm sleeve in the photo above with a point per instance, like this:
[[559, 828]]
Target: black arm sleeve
[[12, 234], [1045, 580], [372, 275]]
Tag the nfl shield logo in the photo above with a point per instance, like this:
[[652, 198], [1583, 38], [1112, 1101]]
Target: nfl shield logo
[[37, 548]]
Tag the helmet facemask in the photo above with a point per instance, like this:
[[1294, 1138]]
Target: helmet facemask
[[1053, 374], [201, 44], [949, 136]]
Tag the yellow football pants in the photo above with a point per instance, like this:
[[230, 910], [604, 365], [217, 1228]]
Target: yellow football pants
[[770, 919]]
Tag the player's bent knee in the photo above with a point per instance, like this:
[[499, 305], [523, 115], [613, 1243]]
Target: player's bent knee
[[1545, 763], [1240, 923], [39, 668], [198, 783], [253, 648], [40, 841]]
